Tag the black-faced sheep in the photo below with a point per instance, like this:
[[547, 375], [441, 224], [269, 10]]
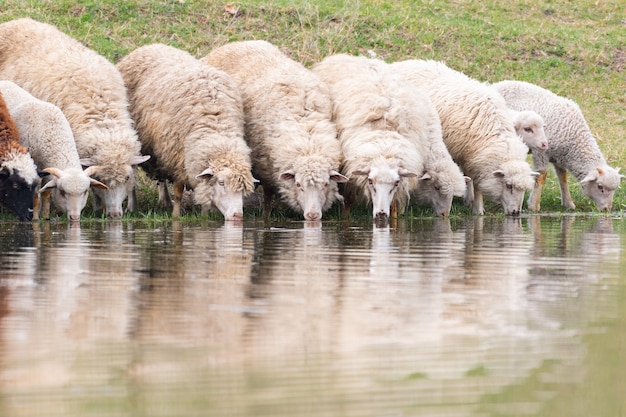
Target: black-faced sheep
[[189, 116], [383, 131], [47, 135], [478, 132], [287, 111], [18, 174], [90, 92], [571, 145]]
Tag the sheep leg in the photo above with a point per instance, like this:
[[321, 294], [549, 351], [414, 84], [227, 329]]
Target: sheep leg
[[566, 197], [478, 207], [347, 205], [165, 200], [267, 202], [44, 201], [178, 188], [36, 202], [534, 199], [131, 204], [469, 194], [393, 213]]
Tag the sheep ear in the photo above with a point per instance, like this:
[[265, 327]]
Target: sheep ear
[[467, 179], [139, 159], [425, 176], [362, 171], [86, 162], [90, 170], [498, 173], [534, 173], [206, 174], [97, 184], [591, 177], [288, 175], [54, 171], [406, 173], [50, 184], [337, 177]]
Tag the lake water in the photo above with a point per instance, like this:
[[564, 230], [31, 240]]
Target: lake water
[[430, 317]]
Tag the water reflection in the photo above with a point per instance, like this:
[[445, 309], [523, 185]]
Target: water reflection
[[425, 317]]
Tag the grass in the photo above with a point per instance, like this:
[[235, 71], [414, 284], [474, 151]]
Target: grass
[[575, 48]]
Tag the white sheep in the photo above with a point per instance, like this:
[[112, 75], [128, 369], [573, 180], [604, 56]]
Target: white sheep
[[478, 132], [442, 179], [189, 116], [383, 132], [47, 135], [572, 146], [90, 92], [529, 126], [288, 126]]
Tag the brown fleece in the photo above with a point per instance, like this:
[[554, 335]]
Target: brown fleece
[[9, 135]]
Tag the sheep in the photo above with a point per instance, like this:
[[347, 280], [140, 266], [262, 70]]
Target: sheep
[[572, 146], [189, 117], [90, 92], [19, 176], [529, 126], [382, 130], [478, 132], [47, 135], [442, 179], [287, 111]]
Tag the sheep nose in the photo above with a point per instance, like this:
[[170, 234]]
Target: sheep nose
[[237, 216], [514, 213], [313, 216], [114, 214], [74, 217]]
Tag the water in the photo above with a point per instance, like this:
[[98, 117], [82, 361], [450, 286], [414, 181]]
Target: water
[[431, 317]]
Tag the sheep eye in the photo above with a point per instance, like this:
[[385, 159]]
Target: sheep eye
[[62, 192], [371, 181], [221, 183], [437, 188], [601, 188], [528, 130], [396, 183], [509, 187], [298, 185]]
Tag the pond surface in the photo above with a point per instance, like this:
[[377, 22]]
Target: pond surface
[[432, 317]]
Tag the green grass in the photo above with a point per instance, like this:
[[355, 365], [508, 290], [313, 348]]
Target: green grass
[[575, 48]]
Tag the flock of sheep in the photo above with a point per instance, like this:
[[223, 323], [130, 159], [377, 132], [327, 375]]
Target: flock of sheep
[[350, 129]]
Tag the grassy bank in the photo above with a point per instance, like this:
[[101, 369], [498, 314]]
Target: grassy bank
[[575, 48]]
